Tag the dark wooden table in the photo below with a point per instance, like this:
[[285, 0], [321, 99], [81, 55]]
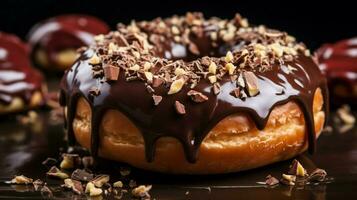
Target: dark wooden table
[[24, 147]]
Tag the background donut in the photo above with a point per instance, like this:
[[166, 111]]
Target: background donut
[[54, 41]]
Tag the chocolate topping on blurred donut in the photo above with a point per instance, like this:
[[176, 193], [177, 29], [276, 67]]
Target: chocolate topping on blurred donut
[[54, 41], [339, 62], [18, 81]]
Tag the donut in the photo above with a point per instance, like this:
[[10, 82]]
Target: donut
[[190, 95], [53, 42], [338, 62], [21, 86]]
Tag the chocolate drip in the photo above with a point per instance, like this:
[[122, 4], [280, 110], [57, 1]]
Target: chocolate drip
[[277, 86]]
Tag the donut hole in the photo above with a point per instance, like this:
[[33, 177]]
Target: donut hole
[[198, 47]]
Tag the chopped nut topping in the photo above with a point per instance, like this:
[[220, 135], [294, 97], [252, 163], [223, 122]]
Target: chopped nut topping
[[197, 97], [118, 184], [21, 180], [180, 108], [213, 36], [277, 49], [212, 68], [89, 186], [297, 169], [176, 86], [76, 186], [149, 77], [135, 67], [94, 60], [100, 180], [147, 66], [99, 38], [95, 192], [212, 79], [288, 179], [137, 49], [55, 172], [157, 99], [175, 30], [251, 82], [230, 68], [68, 161], [229, 57], [141, 191], [179, 71]]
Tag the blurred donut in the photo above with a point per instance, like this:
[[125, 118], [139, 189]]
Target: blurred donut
[[339, 62], [21, 87], [54, 41]]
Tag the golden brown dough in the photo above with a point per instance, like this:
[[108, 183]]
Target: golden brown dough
[[234, 144]]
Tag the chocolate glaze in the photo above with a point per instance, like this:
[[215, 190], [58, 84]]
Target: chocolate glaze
[[65, 32], [17, 78], [339, 62], [277, 86]]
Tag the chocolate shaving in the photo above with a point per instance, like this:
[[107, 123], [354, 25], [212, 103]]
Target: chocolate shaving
[[197, 97], [236, 93], [251, 83], [94, 91], [111, 72], [318, 175], [216, 88], [87, 161], [37, 184], [271, 180], [180, 108], [156, 82], [82, 175], [150, 89], [157, 99]]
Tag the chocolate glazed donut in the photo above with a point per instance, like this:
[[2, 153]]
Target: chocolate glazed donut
[[159, 75], [54, 41], [21, 86], [339, 63]]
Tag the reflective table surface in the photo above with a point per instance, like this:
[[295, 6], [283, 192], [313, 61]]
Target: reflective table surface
[[23, 147]]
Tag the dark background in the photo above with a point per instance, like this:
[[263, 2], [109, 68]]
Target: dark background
[[311, 22]]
